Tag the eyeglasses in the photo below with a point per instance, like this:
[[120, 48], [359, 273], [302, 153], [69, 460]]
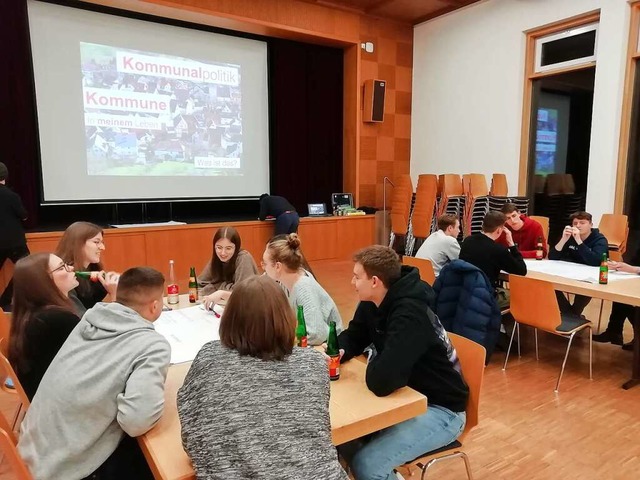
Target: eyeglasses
[[68, 267]]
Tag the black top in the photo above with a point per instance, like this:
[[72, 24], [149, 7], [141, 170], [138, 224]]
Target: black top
[[89, 293], [12, 213], [589, 252], [44, 335], [409, 344], [272, 205], [491, 257]]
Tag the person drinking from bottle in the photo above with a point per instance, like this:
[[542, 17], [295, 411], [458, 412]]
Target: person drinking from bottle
[[43, 315], [82, 245]]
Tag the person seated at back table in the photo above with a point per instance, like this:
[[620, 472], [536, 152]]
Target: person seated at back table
[[524, 231], [229, 264], [481, 250], [621, 311], [410, 348], [282, 261], [254, 406], [104, 387], [580, 243], [442, 246]]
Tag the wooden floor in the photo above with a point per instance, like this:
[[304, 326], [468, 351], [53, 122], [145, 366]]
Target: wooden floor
[[590, 430]]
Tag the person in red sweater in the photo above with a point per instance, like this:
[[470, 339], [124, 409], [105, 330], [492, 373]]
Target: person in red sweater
[[525, 232]]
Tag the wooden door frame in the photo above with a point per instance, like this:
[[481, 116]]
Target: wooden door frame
[[633, 55], [530, 75]]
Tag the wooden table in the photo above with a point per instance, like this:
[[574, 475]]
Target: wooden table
[[621, 291], [354, 410]]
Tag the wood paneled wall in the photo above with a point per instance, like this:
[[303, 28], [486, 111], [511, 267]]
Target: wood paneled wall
[[371, 151], [328, 238]]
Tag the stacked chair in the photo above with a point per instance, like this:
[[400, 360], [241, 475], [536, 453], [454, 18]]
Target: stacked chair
[[423, 214], [401, 202]]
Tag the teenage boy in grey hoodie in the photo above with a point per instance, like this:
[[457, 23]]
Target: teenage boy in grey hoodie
[[105, 385]]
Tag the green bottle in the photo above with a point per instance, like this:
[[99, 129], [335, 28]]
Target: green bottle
[[604, 271], [333, 351], [93, 276], [193, 285], [301, 329]]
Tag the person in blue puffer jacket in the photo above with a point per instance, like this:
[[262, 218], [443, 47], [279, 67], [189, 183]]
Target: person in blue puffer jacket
[[465, 304]]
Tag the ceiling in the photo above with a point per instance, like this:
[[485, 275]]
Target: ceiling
[[407, 11]]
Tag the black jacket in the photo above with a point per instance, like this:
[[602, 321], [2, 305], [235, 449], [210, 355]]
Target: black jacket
[[411, 346], [491, 257], [45, 333], [588, 252], [274, 206], [12, 213]]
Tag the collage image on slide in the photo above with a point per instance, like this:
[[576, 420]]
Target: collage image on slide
[[147, 114]]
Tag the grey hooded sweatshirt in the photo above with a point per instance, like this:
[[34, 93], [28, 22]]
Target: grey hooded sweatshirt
[[106, 380]]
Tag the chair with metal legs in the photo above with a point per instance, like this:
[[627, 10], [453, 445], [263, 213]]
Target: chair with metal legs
[[534, 303], [472, 356]]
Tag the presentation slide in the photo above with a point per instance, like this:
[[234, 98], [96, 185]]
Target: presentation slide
[[135, 110], [153, 114]]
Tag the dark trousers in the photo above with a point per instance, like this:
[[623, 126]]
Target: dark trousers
[[287, 223], [619, 313], [127, 462], [14, 254], [579, 303]]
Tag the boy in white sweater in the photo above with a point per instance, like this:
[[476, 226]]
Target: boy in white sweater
[[105, 386], [442, 246]]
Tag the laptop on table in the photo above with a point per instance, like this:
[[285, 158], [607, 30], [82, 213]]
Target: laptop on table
[[318, 210]]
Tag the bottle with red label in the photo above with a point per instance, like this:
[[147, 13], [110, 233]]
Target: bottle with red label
[[333, 351], [173, 293], [301, 329], [193, 285]]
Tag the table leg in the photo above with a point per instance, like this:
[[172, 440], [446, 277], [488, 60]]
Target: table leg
[[635, 368]]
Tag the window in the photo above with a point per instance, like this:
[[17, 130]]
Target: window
[[568, 48]]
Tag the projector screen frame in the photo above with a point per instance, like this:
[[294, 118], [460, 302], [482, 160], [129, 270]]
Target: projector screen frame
[[146, 17]]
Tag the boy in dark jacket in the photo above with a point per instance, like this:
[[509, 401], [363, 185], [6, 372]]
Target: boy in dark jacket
[[410, 348], [580, 243], [481, 250]]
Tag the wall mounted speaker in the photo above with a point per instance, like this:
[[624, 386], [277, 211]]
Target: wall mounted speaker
[[374, 100]]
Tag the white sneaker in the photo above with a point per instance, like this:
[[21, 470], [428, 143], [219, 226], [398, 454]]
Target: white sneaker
[[400, 477]]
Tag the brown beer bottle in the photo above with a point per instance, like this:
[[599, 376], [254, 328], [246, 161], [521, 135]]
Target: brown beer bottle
[[333, 350], [539, 249]]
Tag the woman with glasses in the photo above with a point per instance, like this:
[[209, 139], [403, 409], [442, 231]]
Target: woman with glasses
[[254, 406], [229, 265], [82, 245], [43, 315], [282, 260]]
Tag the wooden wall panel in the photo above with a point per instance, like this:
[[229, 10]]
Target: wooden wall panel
[[353, 236], [319, 239]]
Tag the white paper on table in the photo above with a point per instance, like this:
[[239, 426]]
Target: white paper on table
[[187, 330], [574, 271]]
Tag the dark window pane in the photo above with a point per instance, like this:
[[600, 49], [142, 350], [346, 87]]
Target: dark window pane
[[570, 48]]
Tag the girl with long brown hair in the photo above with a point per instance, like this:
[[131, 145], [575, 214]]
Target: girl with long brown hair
[[229, 264], [82, 245], [43, 315]]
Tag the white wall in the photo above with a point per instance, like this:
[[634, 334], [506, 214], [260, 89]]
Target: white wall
[[468, 76]]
